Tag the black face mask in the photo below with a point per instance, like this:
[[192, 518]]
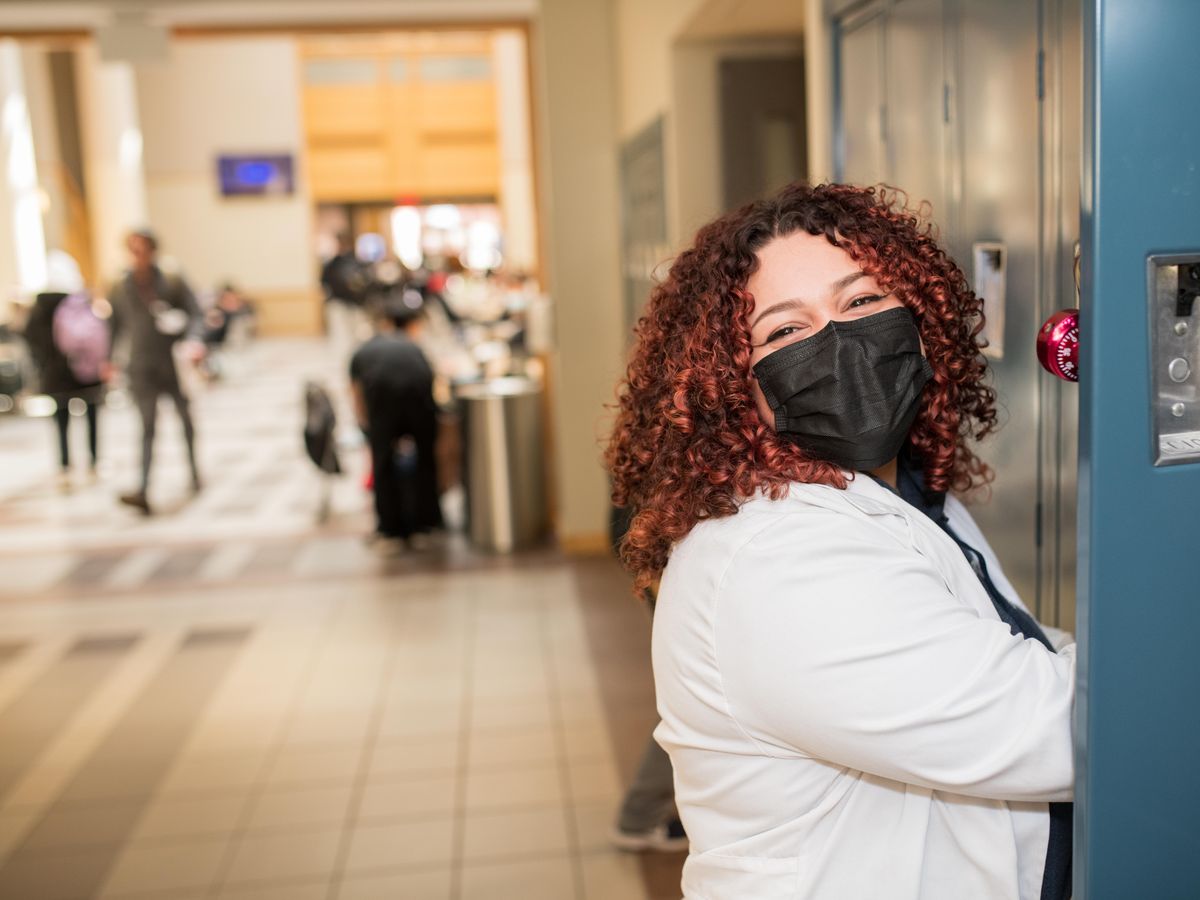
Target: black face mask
[[849, 394]]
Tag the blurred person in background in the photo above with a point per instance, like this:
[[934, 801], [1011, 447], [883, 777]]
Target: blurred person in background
[[228, 307], [70, 344], [230, 313], [392, 386], [154, 310], [647, 818], [345, 280]]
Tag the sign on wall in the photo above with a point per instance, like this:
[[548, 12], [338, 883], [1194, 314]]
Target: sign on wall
[[255, 175]]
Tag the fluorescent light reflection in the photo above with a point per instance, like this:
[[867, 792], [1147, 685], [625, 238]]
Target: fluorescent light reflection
[[39, 406]]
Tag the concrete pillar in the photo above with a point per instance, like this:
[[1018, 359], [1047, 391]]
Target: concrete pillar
[[517, 202], [39, 98], [581, 226], [112, 149], [818, 86], [22, 238]]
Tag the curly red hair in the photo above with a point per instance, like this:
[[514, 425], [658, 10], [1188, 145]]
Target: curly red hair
[[689, 443]]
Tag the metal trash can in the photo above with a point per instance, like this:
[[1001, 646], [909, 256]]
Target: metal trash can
[[504, 467]]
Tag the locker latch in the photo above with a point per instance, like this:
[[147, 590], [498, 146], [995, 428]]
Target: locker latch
[[1173, 284]]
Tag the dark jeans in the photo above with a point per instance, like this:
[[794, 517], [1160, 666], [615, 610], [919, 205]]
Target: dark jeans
[[62, 418], [650, 800], [146, 398], [406, 494]]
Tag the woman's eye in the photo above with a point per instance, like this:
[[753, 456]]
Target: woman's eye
[[865, 299], [782, 333]]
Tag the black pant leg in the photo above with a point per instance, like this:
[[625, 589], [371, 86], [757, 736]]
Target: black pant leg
[[62, 419], [389, 511], [146, 398], [428, 496], [183, 408], [93, 415]]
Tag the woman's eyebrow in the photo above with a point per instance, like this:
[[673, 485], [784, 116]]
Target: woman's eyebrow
[[845, 281], [795, 302], [776, 307]]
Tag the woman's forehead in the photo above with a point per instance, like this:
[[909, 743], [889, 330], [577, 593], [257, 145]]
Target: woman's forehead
[[799, 266]]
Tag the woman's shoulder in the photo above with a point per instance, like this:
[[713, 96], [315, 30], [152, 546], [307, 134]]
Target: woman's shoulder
[[814, 540], [756, 511], [802, 509]]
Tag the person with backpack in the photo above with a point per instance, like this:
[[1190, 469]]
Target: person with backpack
[[154, 310], [69, 343]]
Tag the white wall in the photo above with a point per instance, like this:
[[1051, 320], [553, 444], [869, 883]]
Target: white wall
[[518, 205], [664, 69], [22, 241], [112, 154], [40, 96], [694, 160], [226, 95], [645, 35], [694, 173]]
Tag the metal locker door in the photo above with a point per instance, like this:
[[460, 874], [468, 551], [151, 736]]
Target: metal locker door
[[1138, 725], [995, 130], [859, 113], [917, 105], [1062, 124]]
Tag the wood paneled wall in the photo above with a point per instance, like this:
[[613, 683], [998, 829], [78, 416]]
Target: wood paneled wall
[[407, 114]]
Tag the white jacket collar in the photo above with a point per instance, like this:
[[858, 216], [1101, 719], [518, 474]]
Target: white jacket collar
[[862, 492]]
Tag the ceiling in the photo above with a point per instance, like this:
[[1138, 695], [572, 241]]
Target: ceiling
[[746, 18], [53, 15]]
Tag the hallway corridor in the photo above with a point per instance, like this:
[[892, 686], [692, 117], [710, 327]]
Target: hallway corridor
[[228, 699]]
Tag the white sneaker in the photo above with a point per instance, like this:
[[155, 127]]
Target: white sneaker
[[668, 837]]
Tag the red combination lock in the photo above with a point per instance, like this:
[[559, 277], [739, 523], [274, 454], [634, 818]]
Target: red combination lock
[[1058, 345]]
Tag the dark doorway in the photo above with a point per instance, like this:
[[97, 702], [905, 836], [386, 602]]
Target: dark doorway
[[763, 133]]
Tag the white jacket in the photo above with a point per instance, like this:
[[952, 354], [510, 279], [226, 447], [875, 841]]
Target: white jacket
[[847, 715]]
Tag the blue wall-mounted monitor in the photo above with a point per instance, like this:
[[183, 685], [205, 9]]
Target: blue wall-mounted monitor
[[257, 175]]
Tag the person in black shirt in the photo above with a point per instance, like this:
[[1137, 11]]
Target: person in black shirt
[[392, 384]]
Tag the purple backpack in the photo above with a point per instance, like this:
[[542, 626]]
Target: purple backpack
[[81, 336]]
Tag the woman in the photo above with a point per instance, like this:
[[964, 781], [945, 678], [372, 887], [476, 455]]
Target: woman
[[855, 703], [63, 379]]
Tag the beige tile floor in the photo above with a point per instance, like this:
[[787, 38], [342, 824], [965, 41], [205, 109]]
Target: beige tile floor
[[286, 715], [318, 763]]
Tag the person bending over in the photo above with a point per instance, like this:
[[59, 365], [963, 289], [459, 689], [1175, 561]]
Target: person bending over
[[392, 384]]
